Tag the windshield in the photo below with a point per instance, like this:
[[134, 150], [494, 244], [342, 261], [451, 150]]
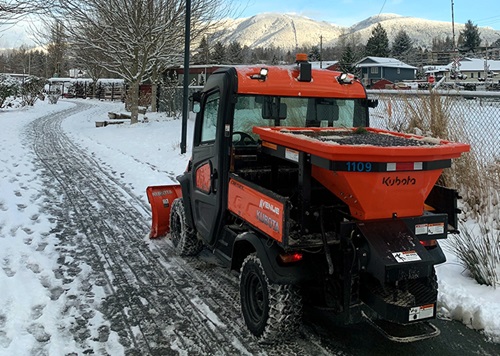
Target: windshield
[[252, 110]]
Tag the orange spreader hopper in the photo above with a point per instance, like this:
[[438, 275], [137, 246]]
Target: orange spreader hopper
[[379, 174]]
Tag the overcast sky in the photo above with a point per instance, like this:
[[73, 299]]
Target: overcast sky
[[348, 12]]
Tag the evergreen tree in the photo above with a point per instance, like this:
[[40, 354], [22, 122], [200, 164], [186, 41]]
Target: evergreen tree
[[460, 40], [314, 54], [438, 45], [246, 55], [289, 57], [378, 43], [234, 53], [470, 36], [348, 60], [219, 53], [402, 45], [448, 44], [202, 55]]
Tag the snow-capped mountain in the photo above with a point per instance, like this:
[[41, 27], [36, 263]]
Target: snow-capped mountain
[[289, 31], [270, 29]]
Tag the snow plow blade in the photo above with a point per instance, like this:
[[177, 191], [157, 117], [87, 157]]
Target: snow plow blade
[[161, 197]]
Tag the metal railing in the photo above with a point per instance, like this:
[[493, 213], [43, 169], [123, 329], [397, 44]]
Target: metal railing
[[111, 91], [470, 117], [170, 99]]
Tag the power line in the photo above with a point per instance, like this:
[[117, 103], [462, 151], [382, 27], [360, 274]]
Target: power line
[[488, 18], [383, 5]]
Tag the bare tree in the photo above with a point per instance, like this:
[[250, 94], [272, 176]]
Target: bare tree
[[134, 39], [57, 49], [13, 10]]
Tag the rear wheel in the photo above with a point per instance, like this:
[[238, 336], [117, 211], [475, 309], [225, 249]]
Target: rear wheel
[[183, 237], [271, 311]]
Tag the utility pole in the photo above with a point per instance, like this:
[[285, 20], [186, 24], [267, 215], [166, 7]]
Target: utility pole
[[486, 67], [185, 103], [455, 65], [453, 25], [321, 51]]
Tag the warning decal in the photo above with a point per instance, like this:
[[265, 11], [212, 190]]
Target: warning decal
[[435, 229], [292, 155], [421, 229], [406, 256], [423, 312], [429, 229]]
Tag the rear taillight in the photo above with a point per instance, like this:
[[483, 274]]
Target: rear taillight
[[429, 243], [291, 257]]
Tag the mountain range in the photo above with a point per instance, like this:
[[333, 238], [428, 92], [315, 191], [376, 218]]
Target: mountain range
[[290, 31]]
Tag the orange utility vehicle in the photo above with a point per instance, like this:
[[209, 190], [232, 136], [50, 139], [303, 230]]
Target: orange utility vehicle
[[289, 185]]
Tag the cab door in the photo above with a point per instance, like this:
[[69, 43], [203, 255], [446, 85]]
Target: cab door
[[210, 159]]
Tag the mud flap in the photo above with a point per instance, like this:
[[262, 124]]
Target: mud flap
[[161, 197]]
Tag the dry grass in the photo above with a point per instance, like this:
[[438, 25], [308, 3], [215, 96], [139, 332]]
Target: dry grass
[[430, 115], [479, 255], [477, 182]]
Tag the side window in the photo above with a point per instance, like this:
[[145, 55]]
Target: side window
[[209, 124]]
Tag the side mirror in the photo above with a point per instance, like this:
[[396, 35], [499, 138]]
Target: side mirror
[[195, 100], [272, 110], [370, 103]]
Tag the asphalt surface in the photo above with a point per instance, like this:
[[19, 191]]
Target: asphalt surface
[[158, 303]]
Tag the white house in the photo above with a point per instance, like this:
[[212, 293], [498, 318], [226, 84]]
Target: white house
[[472, 70]]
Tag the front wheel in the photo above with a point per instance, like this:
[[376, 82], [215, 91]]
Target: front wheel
[[183, 237], [271, 311]]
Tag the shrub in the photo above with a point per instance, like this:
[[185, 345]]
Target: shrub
[[8, 87], [53, 98], [31, 88]]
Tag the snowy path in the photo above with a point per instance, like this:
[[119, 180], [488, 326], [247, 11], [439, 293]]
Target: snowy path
[[78, 274], [152, 302]]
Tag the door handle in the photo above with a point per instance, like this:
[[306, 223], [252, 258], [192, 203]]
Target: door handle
[[213, 177]]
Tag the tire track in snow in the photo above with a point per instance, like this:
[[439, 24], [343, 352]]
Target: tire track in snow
[[107, 229], [156, 302]]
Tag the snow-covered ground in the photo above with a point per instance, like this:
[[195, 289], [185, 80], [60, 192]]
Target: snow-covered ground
[[141, 155]]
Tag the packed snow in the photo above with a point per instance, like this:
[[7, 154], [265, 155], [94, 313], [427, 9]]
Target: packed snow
[[141, 155]]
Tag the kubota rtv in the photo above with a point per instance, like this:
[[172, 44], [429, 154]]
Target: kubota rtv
[[289, 185]]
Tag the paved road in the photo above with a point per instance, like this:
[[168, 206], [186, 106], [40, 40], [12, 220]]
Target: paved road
[[160, 304]]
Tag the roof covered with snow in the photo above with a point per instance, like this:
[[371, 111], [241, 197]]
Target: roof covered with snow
[[436, 69], [323, 64], [477, 64], [382, 62]]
